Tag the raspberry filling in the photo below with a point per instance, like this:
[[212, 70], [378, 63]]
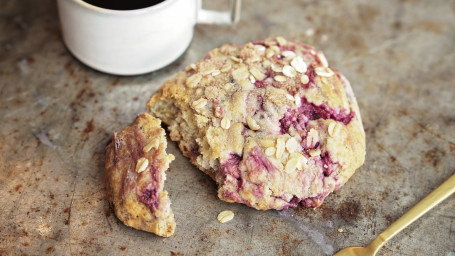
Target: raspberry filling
[[231, 166], [311, 77], [231, 176], [267, 81], [149, 197], [309, 111], [257, 161], [257, 164], [149, 194], [328, 166], [287, 48]]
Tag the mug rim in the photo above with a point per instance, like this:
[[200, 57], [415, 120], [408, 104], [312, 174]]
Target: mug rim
[[123, 12]]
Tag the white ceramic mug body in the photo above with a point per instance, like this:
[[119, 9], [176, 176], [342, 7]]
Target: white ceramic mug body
[[128, 42]]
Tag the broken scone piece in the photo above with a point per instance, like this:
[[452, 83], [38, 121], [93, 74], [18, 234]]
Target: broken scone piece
[[136, 162], [270, 121]]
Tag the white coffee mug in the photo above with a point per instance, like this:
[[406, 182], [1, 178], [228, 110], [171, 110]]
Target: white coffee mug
[[136, 41]]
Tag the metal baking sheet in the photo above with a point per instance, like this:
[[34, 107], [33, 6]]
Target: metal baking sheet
[[57, 116]]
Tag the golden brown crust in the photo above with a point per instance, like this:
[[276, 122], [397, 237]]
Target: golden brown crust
[[135, 172], [270, 121]]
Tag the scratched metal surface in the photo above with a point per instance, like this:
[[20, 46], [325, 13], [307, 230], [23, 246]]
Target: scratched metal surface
[[57, 115]]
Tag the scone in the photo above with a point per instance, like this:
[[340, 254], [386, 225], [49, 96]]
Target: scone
[[269, 121], [136, 162]]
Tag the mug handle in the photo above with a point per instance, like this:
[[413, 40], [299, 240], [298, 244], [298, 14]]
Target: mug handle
[[217, 17]]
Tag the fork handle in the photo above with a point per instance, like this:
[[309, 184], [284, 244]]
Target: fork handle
[[434, 198]]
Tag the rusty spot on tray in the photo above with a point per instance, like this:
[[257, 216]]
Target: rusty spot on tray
[[448, 120], [18, 101], [271, 226], [26, 244], [17, 187], [418, 127], [88, 81], [69, 68], [384, 195], [122, 248], [50, 249], [284, 239], [52, 196], [368, 210], [24, 232], [397, 25], [89, 127], [116, 81], [289, 244], [202, 181], [81, 93], [303, 211], [38, 142], [347, 211], [452, 148], [434, 156], [401, 111], [393, 159], [176, 253], [388, 218], [66, 210]]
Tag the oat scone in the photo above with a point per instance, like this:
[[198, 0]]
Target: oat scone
[[269, 121], [136, 162]]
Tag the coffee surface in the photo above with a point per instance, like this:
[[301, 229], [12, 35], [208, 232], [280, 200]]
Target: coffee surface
[[123, 4]]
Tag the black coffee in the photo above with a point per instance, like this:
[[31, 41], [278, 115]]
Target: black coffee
[[123, 4]]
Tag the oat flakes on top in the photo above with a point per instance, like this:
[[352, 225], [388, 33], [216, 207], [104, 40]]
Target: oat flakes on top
[[270, 121]]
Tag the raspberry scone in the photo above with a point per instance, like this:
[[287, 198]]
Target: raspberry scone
[[269, 121], [135, 173]]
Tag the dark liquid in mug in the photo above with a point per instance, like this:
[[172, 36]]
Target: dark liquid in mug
[[123, 4]]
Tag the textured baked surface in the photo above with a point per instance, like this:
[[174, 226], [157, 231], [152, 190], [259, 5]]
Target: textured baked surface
[[135, 172], [269, 121]]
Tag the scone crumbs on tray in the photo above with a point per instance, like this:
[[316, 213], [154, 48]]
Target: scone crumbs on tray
[[225, 216]]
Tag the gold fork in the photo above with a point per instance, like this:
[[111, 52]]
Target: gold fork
[[434, 198]]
